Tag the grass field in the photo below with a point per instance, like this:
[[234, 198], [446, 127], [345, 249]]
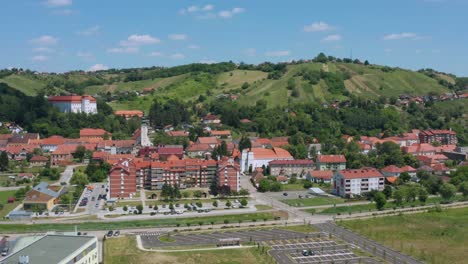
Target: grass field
[[361, 208], [7, 207], [435, 237], [193, 221], [316, 201], [123, 250], [24, 84]]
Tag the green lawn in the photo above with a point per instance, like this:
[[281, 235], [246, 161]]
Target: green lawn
[[361, 208], [293, 187], [194, 221], [316, 201], [7, 207], [434, 237], [123, 250]]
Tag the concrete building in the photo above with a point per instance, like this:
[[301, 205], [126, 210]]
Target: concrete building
[[60, 249], [122, 179], [316, 176], [258, 157], [444, 137], [74, 104], [88, 133], [331, 162], [349, 183], [228, 174], [290, 167]]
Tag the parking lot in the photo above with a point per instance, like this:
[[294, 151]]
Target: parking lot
[[317, 250], [92, 197], [152, 240]]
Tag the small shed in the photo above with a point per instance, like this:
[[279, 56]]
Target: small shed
[[317, 191]]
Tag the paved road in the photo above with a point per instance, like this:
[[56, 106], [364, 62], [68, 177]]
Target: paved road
[[295, 214], [12, 188], [366, 244], [67, 174]]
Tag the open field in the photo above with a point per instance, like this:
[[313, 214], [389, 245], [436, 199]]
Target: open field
[[7, 207], [124, 250], [434, 237], [361, 208], [316, 201], [193, 221]]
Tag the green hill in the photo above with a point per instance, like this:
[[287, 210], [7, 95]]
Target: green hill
[[278, 86]]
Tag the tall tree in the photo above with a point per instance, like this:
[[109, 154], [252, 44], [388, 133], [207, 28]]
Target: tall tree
[[4, 161]]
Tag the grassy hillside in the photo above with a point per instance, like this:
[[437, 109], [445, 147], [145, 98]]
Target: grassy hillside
[[368, 81]]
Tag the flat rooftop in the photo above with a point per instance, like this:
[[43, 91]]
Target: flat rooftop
[[49, 249]]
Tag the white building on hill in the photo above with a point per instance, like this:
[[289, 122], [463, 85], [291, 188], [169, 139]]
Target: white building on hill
[[74, 104], [258, 157]]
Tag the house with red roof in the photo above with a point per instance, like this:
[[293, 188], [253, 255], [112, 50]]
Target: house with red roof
[[220, 133], [127, 114], [331, 162], [391, 171], [349, 183], [423, 149], [440, 169], [74, 104], [258, 157], [167, 151], [50, 144], [290, 167], [212, 141], [62, 155], [87, 133], [38, 161], [317, 176], [211, 119], [178, 133], [199, 150]]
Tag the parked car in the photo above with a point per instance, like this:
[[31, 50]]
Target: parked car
[[285, 194], [5, 251], [110, 233], [117, 233]]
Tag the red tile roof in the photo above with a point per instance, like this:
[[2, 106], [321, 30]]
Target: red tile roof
[[178, 133], [392, 169], [53, 140], [360, 173], [129, 113], [38, 159], [70, 98], [170, 151], [326, 174], [199, 147], [207, 140], [87, 132], [331, 158], [220, 133], [292, 162]]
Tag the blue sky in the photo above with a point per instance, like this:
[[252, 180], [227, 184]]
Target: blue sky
[[63, 35]]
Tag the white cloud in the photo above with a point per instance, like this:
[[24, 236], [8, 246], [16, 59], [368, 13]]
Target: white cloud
[[43, 49], [403, 35], [330, 38], [39, 58], [84, 55], [98, 67], [278, 53], [58, 3], [155, 54], [178, 37], [208, 61], [193, 47], [45, 40], [177, 56], [251, 52], [123, 50], [139, 40], [92, 31], [318, 26], [231, 13], [207, 8], [194, 9]]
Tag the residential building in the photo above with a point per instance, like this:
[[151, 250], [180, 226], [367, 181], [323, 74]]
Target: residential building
[[290, 167], [42, 197], [95, 133], [164, 152], [128, 114], [122, 179], [349, 183], [62, 155], [391, 171], [220, 133], [211, 119], [38, 161], [212, 141], [228, 174], [258, 157], [199, 150], [74, 104], [178, 133], [317, 176], [422, 149], [444, 137], [50, 144], [117, 146], [331, 162], [60, 249]]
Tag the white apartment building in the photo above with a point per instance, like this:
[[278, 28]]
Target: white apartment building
[[74, 104], [348, 183]]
